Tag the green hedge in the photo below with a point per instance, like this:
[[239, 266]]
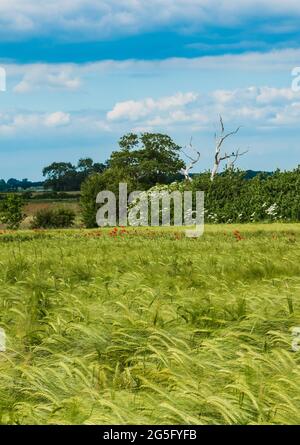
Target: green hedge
[[232, 197]]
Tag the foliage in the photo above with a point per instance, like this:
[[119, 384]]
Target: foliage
[[11, 210], [230, 198], [142, 162], [14, 184], [3, 186], [149, 159], [155, 194], [64, 176], [234, 198], [53, 218], [97, 333], [89, 191], [95, 184]]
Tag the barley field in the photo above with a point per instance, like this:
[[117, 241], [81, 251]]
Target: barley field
[[145, 326]]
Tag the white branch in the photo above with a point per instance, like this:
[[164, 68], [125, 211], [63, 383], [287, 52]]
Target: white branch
[[185, 171], [236, 155], [219, 142]]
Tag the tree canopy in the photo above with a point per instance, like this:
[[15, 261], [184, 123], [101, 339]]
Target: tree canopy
[[148, 159], [64, 176]]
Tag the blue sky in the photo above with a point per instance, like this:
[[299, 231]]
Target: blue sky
[[81, 73]]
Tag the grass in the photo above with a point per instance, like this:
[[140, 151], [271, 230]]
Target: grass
[[32, 207], [149, 327]]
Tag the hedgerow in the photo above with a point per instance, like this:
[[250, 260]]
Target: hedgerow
[[231, 197]]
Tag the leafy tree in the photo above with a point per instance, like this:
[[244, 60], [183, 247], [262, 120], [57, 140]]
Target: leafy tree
[[64, 176], [59, 175], [85, 164], [149, 159], [89, 190], [25, 184], [3, 185], [142, 162], [96, 183], [11, 211], [87, 167], [13, 184]]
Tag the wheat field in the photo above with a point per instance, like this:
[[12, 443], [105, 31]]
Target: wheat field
[[146, 326]]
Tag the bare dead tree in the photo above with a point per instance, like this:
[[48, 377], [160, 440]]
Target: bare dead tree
[[234, 156], [219, 142], [186, 171]]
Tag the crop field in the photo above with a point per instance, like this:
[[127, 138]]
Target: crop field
[[145, 326]]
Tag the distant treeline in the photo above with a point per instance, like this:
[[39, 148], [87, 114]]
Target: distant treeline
[[64, 176], [60, 177], [65, 182], [15, 184]]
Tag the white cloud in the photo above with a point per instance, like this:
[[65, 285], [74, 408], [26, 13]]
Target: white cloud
[[39, 76], [18, 124], [57, 119], [88, 19], [253, 107], [12, 123], [260, 95], [134, 110], [277, 95], [69, 76], [288, 116], [225, 97]]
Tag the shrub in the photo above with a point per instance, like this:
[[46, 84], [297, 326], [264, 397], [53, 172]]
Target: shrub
[[89, 191], [96, 183], [53, 219], [11, 211]]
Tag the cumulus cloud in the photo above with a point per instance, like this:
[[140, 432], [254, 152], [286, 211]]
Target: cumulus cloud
[[34, 125], [259, 95], [57, 119], [276, 95], [134, 110], [11, 123], [39, 76], [255, 107]]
